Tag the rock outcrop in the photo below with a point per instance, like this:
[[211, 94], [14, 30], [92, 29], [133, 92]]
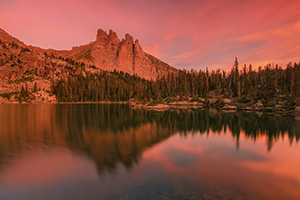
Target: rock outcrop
[[108, 52]]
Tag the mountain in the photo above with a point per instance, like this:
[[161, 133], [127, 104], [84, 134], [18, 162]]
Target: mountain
[[29, 68], [108, 52]]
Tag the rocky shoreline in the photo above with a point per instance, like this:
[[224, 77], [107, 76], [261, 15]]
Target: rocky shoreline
[[55, 102], [163, 106]]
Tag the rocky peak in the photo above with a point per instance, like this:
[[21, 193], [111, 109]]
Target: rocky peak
[[113, 38], [128, 39], [109, 52], [101, 36], [138, 51], [112, 34]]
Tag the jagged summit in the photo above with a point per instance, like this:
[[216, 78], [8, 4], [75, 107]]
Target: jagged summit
[[108, 52], [102, 36]]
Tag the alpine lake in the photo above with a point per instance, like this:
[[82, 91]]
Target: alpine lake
[[112, 152]]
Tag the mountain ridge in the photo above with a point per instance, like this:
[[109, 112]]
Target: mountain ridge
[[108, 52], [23, 65]]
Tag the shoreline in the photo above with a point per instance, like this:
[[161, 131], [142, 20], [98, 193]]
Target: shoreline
[[185, 105], [154, 108], [173, 105], [45, 103]]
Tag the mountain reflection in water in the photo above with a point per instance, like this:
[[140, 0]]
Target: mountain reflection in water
[[114, 136]]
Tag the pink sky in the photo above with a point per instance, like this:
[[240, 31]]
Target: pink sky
[[184, 33]]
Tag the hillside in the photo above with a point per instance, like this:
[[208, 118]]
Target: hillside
[[26, 72]]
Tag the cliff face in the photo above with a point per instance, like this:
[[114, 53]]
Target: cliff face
[[108, 52]]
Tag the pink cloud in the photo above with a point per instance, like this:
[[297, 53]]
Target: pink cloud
[[186, 34]]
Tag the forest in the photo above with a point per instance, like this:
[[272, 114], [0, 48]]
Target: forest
[[269, 84]]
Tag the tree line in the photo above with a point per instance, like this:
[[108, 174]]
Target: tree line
[[245, 85]]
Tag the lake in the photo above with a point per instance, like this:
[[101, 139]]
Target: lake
[[100, 151]]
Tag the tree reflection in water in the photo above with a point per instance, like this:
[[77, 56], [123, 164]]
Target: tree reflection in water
[[113, 133]]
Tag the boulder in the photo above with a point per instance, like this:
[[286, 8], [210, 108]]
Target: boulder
[[227, 101], [259, 103], [229, 107]]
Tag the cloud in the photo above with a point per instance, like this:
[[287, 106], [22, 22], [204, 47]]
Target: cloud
[[190, 34]]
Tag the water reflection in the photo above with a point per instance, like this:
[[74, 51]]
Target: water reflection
[[59, 145], [115, 133]]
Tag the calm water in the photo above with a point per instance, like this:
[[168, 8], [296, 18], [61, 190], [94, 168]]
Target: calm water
[[113, 152]]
